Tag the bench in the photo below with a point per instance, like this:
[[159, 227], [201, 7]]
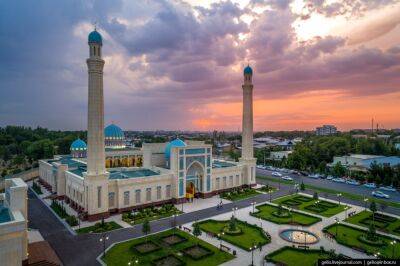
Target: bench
[[224, 248], [187, 229], [302, 246]]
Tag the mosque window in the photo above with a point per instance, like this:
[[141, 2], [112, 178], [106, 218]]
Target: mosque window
[[137, 195], [181, 163], [181, 187], [126, 198], [111, 197], [224, 182], [208, 183], [217, 183], [168, 191], [148, 194], [99, 197], [237, 180], [159, 192], [231, 181]]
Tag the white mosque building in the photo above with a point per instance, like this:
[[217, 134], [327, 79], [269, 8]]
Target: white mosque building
[[105, 177]]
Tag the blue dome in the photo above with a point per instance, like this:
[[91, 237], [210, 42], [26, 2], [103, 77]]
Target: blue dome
[[175, 143], [113, 132], [248, 70], [78, 145], [95, 37]]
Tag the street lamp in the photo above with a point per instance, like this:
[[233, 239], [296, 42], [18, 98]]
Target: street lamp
[[103, 239], [270, 195], [220, 239], [253, 204], [339, 196], [345, 211], [366, 202], [252, 254], [134, 262], [377, 254], [174, 225], [234, 209], [337, 225], [260, 222], [393, 243]]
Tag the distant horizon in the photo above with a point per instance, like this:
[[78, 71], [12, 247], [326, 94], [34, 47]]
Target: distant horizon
[[179, 64]]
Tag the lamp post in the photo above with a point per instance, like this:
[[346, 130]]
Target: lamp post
[[291, 215], [270, 195], [366, 202], [174, 221], [103, 239], [252, 254], [136, 261], [220, 239], [260, 222], [337, 225], [393, 243], [377, 254], [234, 209], [339, 196], [253, 204], [345, 212]]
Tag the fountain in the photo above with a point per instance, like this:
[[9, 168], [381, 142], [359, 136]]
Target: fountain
[[298, 236]]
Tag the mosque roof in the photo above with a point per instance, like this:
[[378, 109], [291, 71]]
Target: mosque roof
[[175, 143], [113, 132], [78, 145], [248, 70], [95, 37]]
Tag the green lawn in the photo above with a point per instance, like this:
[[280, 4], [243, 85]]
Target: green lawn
[[251, 235], [235, 195], [334, 192], [293, 256], [267, 189], [348, 236], [97, 228], [382, 223], [124, 252], [266, 211], [150, 213], [308, 204]]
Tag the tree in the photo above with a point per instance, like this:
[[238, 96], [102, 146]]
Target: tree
[[146, 227], [339, 170], [196, 230], [315, 196], [373, 208], [302, 186], [232, 224]]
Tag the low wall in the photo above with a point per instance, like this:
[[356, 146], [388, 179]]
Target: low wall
[[25, 175]]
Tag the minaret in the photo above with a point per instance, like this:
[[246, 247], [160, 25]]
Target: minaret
[[247, 158], [96, 176]]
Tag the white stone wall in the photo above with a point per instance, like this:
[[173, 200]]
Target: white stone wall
[[218, 174]]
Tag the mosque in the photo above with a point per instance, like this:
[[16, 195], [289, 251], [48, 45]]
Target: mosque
[[105, 176]]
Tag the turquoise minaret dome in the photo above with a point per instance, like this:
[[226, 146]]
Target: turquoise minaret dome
[[95, 37], [247, 70]]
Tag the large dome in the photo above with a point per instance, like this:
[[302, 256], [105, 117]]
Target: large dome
[[113, 132], [95, 37], [175, 143], [78, 145]]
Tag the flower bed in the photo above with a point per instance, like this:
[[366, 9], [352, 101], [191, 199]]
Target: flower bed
[[169, 260], [197, 252], [173, 239], [150, 213], [146, 247]]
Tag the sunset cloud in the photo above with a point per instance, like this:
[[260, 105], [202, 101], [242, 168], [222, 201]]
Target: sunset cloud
[[178, 65]]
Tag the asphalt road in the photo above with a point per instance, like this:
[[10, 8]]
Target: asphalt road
[[84, 249], [359, 190]]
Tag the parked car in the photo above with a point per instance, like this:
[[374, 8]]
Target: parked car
[[329, 177], [380, 194], [303, 173], [339, 180], [370, 185], [316, 176], [286, 177], [388, 188], [259, 166], [352, 182], [276, 174], [296, 172]]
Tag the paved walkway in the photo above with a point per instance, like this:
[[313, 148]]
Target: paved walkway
[[83, 249]]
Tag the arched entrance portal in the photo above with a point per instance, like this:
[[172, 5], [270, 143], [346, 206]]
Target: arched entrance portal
[[194, 179]]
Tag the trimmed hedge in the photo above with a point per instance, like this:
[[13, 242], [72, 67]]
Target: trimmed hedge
[[135, 247], [207, 254]]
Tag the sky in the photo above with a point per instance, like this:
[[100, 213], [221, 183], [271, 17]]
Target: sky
[[178, 65]]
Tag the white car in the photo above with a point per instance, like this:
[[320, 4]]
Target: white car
[[380, 194], [370, 185], [329, 177], [276, 174], [352, 182], [286, 177], [316, 176], [388, 188], [259, 166], [339, 180]]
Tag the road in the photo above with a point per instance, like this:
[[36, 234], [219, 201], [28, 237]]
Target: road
[[323, 183]]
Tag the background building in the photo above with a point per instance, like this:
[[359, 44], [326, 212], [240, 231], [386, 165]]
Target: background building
[[326, 130]]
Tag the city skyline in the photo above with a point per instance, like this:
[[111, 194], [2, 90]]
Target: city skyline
[[176, 65]]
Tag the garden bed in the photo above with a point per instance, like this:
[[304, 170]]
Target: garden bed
[[150, 214], [384, 223], [177, 254], [269, 213], [99, 228], [173, 239], [251, 234], [239, 194], [146, 247]]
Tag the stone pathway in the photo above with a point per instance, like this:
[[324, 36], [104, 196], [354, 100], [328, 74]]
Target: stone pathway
[[244, 257]]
